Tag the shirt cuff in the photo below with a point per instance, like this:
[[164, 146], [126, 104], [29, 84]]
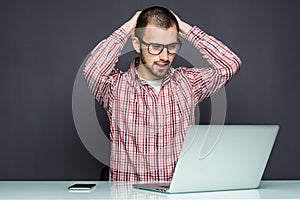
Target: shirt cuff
[[120, 35], [195, 34]]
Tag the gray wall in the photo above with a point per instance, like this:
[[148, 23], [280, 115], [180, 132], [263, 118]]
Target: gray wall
[[43, 43]]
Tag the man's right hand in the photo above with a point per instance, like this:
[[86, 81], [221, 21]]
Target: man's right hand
[[130, 25], [184, 27]]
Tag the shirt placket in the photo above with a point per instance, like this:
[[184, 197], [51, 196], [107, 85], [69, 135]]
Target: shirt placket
[[149, 99], [157, 138]]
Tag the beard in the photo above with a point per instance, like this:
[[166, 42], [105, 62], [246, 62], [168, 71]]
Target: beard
[[159, 74]]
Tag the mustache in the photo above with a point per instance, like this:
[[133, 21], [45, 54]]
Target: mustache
[[162, 63]]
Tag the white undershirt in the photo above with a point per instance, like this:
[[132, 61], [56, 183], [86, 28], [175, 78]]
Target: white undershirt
[[155, 84]]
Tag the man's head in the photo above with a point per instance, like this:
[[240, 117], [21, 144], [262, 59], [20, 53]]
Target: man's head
[[156, 40], [156, 16]]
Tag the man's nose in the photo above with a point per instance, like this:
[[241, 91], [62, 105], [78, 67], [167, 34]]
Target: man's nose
[[164, 55]]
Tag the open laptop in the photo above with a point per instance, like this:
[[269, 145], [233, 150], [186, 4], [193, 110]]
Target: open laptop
[[220, 157]]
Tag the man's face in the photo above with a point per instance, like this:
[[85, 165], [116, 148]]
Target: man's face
[[155, 67]]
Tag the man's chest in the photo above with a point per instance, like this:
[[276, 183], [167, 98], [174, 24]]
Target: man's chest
[[142, 105]]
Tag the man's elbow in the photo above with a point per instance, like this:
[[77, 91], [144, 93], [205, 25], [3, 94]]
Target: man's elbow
[[236, 65]]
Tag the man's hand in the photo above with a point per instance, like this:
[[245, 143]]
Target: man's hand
[[183, 27], [130, 25]]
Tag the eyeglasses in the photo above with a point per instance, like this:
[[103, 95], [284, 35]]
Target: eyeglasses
[[156, 49]]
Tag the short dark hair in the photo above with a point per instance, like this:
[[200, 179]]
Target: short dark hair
[[157, 16]]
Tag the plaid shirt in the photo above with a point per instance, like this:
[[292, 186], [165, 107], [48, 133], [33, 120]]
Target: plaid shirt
[[148, 129]]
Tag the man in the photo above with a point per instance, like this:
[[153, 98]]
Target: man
[[150, 105]]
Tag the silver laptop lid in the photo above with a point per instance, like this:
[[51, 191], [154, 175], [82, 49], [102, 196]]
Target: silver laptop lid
[[222, 157]]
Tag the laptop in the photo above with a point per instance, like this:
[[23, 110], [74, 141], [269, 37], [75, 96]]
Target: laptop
[[220, 157]]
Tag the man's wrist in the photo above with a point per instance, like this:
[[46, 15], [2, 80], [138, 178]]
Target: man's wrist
[[184, 28], [127, 27]]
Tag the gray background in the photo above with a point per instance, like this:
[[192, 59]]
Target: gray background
[[44, 42]]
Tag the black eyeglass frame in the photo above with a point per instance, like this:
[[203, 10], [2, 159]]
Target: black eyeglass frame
[[164, 46]]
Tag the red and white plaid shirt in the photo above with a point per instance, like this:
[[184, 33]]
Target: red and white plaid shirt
[[148, 129]]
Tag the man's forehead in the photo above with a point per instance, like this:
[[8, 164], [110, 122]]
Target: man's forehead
[[159, 35]]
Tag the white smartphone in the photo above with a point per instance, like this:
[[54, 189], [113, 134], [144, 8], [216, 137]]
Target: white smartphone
[[82, 187]]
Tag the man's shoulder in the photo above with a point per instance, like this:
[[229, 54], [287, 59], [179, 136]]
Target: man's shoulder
[[187, 70], [191, 73]]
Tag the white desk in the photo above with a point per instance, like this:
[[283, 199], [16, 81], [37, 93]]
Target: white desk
[[110, 190]]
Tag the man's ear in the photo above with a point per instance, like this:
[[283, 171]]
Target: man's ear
[[136, 44]]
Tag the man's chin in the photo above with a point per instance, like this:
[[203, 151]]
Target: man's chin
[[161, 73]]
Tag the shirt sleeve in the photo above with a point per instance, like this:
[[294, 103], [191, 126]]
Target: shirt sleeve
[[224, 64], [99, 70]]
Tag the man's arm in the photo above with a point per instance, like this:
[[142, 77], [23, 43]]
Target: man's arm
[[99, 71], [224, 63]]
